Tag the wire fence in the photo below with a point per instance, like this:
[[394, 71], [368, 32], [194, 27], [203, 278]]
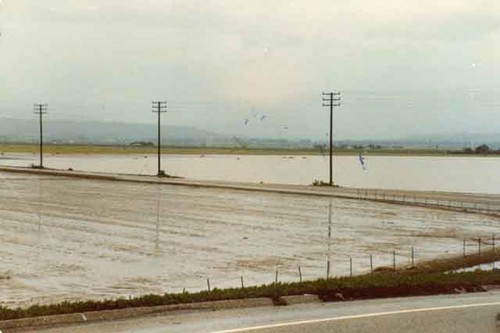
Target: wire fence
[[388, 261], [436, 201]]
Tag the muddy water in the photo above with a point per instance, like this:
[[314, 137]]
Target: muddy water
[[453, 174], [67, 239]]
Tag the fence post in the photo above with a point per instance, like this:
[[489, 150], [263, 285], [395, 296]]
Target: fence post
[[276, 278], [371, 263], [465, 254], [242, 284], [300, 275], [208, 284], [479, 246]]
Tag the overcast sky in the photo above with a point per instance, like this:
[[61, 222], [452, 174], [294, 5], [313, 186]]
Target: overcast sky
[[404, 67]]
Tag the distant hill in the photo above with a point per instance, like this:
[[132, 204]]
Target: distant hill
[[96, 132], [100, 132]]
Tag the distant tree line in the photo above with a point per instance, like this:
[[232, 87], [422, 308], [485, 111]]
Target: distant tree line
[[142, 144], [480, 150], [353, 146]]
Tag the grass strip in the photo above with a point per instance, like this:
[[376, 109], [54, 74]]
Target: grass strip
[[376, 285], [77, 149], [457, 262]]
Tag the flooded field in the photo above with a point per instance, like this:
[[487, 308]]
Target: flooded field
[[72, 239], [424, 173]]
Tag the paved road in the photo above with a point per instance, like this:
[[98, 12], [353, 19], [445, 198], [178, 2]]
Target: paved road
[[456, 313]]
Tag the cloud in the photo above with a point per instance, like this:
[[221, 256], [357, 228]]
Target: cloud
[[275, 55], [285, 21]]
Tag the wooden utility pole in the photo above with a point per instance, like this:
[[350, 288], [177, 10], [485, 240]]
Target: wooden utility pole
[[40, 110], [331, 100], [159, 107]]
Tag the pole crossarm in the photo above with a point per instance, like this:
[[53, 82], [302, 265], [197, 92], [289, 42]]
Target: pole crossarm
[[40, 108], [160, 106]]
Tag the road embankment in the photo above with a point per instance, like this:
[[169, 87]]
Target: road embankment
[[463, 202]]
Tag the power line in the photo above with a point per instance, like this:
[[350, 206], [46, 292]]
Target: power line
[[41, 109], [331, 100], [159, 107]]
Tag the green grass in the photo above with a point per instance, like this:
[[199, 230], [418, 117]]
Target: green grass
[[124, 150], [454, 263], [376, 285], [100, 149]]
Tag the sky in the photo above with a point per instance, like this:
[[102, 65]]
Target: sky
[[257, 68]]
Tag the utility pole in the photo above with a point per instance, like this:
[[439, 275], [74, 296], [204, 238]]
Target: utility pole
[[159, 107], [331, 100], [41, 109]]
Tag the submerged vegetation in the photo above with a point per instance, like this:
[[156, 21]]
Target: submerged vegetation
[[317, 182]]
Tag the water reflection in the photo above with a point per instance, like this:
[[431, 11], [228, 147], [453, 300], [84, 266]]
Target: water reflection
[[158, 214], [329, 240], [39, 207]]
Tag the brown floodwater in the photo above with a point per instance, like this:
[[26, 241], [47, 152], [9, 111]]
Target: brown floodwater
[[72, 239]]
